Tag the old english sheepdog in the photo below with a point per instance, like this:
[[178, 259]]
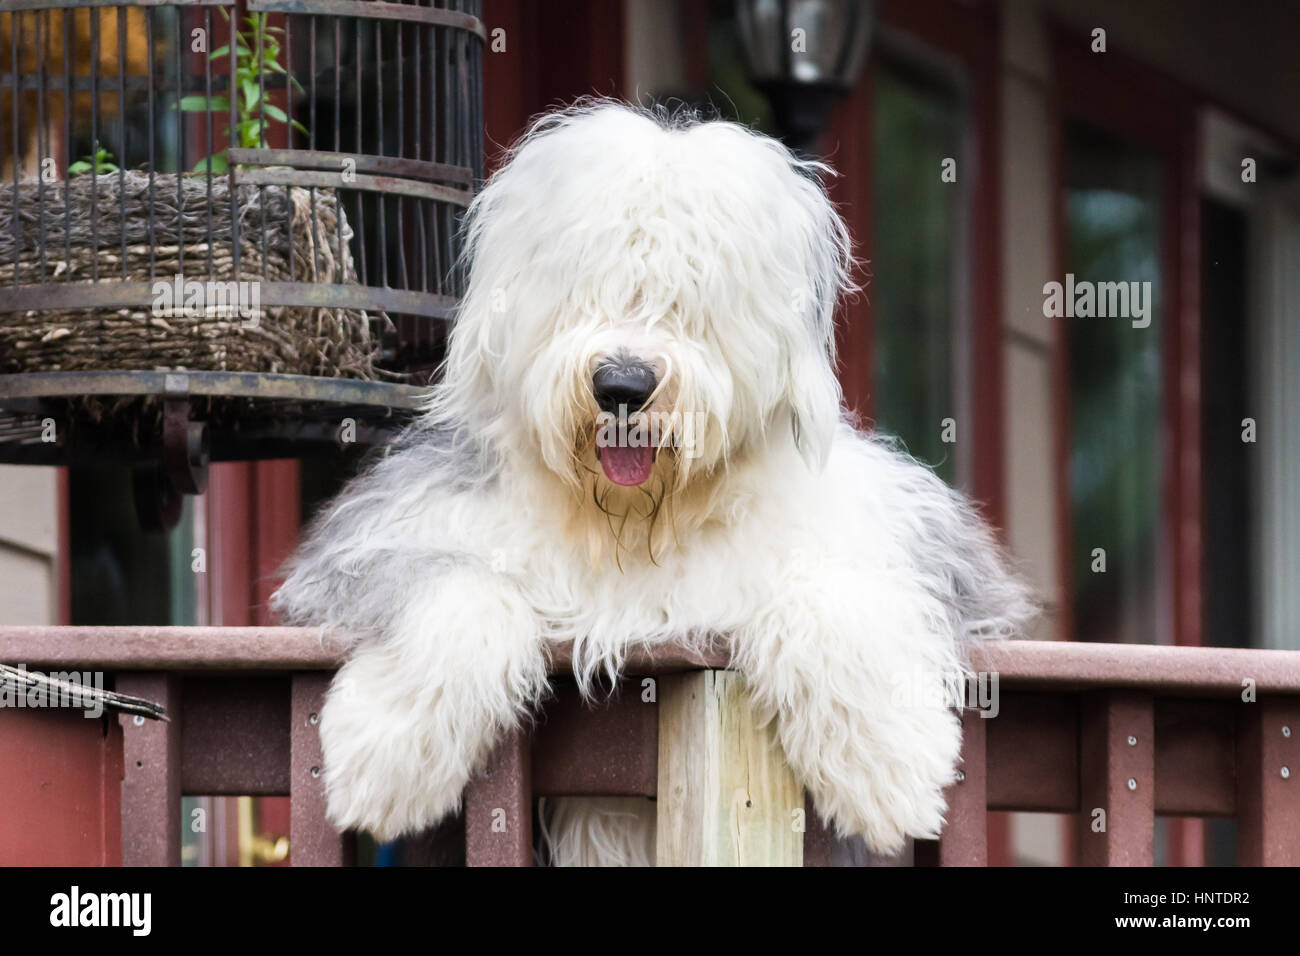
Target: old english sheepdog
[[637, 438]]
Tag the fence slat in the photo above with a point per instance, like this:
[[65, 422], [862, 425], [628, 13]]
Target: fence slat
[[818, 838], [726, 795], [609, 749], [965, 840], [499, 807], [313, 841], [233, 742], [151, 786], [1268, 783], [1116, 779]]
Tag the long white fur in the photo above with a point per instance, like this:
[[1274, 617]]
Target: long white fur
[[597, 831], [844, 576]]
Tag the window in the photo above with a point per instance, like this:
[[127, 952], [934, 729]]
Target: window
[[1113, 215], [919, 281]]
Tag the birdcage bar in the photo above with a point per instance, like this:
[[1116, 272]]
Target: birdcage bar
[[121, 295], [40, 128], [309, 409], [23, 6]]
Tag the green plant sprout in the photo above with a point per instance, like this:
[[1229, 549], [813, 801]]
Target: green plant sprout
[[257, 51], [100, 162]]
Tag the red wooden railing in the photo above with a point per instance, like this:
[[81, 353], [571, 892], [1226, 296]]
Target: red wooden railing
[[1136, 731]]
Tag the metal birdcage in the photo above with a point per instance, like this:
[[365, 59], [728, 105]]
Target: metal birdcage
[[227, 227]]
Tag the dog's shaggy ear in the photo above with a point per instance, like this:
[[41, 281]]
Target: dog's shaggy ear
[[813, 395], [825, 253]]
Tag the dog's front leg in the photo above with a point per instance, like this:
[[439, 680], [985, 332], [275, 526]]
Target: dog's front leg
[[415, 711], [857, 674]]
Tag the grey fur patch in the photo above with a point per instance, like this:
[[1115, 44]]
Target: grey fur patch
[[341, 577]]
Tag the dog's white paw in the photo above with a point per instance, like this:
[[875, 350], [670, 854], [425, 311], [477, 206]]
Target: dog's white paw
[[860, 694], [388, 768], [879, 776], [413, 715]]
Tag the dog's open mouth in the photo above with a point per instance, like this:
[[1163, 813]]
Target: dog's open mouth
[[627, 464]]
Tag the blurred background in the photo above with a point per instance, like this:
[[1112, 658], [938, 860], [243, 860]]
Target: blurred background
[[1144, 476]]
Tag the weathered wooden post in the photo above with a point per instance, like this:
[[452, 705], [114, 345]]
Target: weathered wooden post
[[726, 795]]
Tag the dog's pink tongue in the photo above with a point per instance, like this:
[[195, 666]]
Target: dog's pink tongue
[[627, 465]]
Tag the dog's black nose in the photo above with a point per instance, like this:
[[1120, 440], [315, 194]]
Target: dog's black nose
[[615, 385]]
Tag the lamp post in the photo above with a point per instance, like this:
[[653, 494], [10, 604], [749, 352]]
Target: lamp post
[[803, 55]]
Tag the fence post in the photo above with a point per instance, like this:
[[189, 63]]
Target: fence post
[[1268, 783], [726, 795], [151, 786], [818, 837], [313, 841], [965, 840], [1117, 777], [499, 806]]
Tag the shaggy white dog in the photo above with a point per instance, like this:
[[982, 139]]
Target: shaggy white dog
[[679, 276]]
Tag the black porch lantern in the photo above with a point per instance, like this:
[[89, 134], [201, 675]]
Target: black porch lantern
[[803, 55]]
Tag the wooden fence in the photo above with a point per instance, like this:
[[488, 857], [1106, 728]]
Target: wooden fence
[[1131, 731]]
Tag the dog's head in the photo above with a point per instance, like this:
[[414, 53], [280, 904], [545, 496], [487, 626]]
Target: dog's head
[[650, 298]]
